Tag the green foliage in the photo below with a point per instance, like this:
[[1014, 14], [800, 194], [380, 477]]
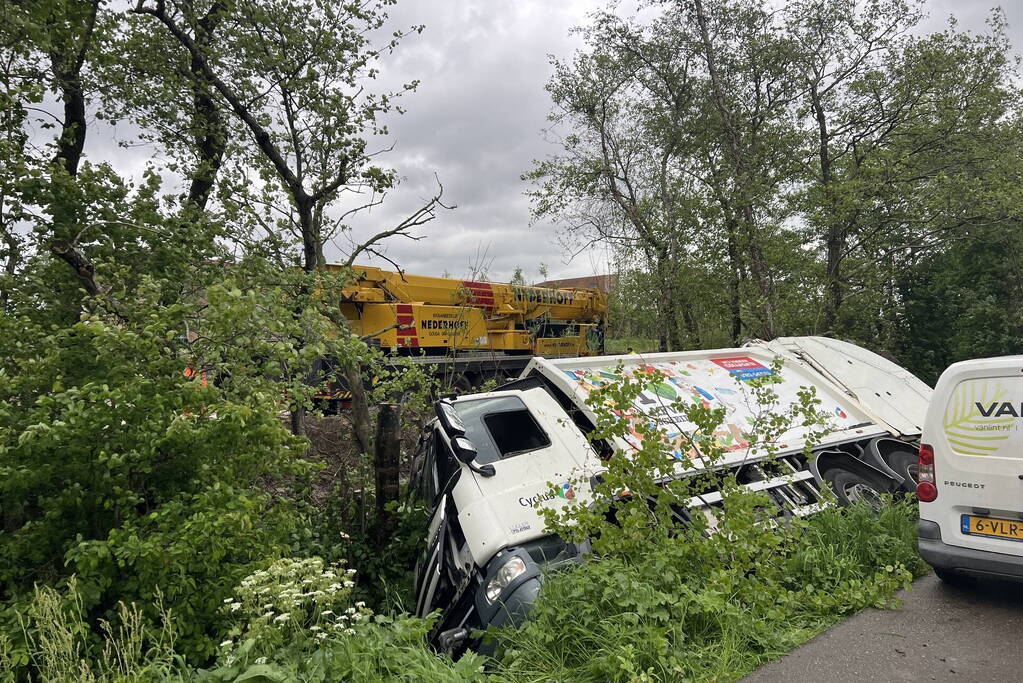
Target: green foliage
[[120, 468], [963, 302], [812, 185], [295, 621], [388, 571], [57, 642], [713, 608]]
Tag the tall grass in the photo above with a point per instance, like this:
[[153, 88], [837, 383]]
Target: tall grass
[[58, 644]]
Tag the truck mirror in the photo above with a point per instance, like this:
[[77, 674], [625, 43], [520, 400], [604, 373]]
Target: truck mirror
[[450, 422], [465, 451]]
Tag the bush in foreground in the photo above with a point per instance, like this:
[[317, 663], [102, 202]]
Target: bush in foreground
[[692, 609]]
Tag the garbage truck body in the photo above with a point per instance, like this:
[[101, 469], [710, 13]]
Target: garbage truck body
[[489, 463]]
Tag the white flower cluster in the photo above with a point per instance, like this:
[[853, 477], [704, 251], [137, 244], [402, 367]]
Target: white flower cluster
[[297, 595]]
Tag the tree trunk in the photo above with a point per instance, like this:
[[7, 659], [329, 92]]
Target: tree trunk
[[385, 465], [835, 296], [734, 284], [361, 422], [211, 131], [834, 238], [298, 421], [71, 142], [759, 268], [668, 335]]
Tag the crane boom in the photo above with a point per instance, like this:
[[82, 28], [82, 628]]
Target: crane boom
[[423, 315]]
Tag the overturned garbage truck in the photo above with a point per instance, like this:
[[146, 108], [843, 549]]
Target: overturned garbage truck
[[489, 462]]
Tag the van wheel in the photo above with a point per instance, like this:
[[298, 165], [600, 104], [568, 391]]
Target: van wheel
[[906, 466], [855, 487], [953, 578]]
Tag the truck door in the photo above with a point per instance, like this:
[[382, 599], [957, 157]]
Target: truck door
[[532, 444]]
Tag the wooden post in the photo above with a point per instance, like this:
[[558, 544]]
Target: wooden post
[[387, 451]]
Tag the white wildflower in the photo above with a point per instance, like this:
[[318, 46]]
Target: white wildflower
[[314, 628], [345, 536], [326, 613], [349, 584], [360, 603], [350, 631], [227, 600], [350, 610], [335, 587], [268, 614], [321, 636], [349, 571], [227, 643], [282, 617], [235, 606], [260, 660]]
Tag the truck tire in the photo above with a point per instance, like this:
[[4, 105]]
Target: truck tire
[[905, 465], [856, 487]]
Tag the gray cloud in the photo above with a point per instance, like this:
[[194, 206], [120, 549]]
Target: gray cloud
[[476, 122]]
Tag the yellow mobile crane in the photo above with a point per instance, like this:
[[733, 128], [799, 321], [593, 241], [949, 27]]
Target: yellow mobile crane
[[472, 328]]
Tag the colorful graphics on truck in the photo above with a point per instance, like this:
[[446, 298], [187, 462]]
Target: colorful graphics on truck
[[715, 383]]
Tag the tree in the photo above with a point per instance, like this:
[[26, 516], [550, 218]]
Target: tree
[[780, 171], [624, 176], [294, 76], [676, 150]]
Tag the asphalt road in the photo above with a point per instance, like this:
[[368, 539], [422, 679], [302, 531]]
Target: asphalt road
[[940, 633]]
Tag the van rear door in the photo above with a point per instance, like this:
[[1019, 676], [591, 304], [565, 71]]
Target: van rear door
[[975, 427]]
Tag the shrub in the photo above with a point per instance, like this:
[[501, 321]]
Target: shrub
[[296, 621], [685, 610], [118, 467]]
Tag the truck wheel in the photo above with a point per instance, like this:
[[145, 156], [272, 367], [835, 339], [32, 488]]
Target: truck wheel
[[905, 465], [856, 487]]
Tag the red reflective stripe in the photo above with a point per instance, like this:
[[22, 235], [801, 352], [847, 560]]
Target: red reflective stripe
[[407, 336], [480, 293]]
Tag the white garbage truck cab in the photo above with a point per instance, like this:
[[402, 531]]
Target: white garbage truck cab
[[971, 471], [490, 463]]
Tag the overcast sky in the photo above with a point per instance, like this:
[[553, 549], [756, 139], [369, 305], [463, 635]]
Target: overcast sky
[[477, 121]]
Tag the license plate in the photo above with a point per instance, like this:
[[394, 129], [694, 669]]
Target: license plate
[[995, 528]]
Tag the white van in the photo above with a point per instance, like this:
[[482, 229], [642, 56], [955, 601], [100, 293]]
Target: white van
[[971, 471]]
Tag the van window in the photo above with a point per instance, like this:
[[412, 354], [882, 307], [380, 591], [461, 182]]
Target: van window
[[500, 428]]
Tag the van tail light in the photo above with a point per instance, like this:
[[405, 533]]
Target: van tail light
[[926, 488]]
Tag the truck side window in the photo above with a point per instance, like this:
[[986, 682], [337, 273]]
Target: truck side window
[[515, 431], [500, 428], [430, 486], [446, 463]]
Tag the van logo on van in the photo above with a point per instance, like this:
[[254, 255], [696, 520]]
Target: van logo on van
[[964, 484], [1002, 409]]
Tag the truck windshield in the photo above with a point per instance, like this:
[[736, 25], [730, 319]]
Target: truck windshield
[[500, 428]]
